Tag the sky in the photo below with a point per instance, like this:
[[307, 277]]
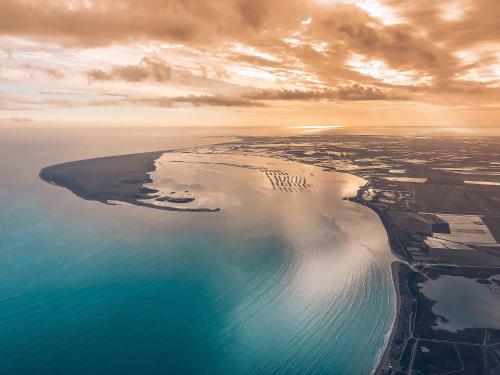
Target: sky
[[250, 62]]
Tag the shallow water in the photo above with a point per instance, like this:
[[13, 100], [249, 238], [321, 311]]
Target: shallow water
[[276, 282], [450, 292]]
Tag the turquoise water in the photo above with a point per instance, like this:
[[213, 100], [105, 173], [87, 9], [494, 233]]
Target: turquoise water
[[293, 286]]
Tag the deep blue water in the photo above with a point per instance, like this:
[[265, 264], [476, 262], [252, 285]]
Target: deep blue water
[[87, 288]]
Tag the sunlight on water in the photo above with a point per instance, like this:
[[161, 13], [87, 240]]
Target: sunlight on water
[[286, 278]]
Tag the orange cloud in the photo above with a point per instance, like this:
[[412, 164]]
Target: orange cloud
[[253, 53], [149, 69]]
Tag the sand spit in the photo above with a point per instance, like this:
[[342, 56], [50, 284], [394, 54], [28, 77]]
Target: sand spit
[[111, 179]]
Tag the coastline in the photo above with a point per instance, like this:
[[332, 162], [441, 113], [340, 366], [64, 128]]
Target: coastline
[[398, 267], [396, 248], [383, 361], [385, 300], [109, 179], [127, 183], [399, 202], [403, 342], [411, 332]]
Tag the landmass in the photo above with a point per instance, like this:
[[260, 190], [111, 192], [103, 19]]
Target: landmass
[[115, 179], [439, 200]]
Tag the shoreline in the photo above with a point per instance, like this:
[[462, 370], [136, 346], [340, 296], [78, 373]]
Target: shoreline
[[119, 178], [396, 268], [395, 202], [401, 334], [56, 174], [75, 177], [398, 201], [384, 358]]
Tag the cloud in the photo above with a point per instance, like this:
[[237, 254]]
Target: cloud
[[50, 72], [150, 69], [197, 101], [420, 43], [20, 119], [262, 98], [270, 50], [249, 99], [116, 100], [107, 21], [354, 92], [155, 70], [472, 21]]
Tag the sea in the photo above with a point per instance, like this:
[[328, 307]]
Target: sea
[[275, 282]]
